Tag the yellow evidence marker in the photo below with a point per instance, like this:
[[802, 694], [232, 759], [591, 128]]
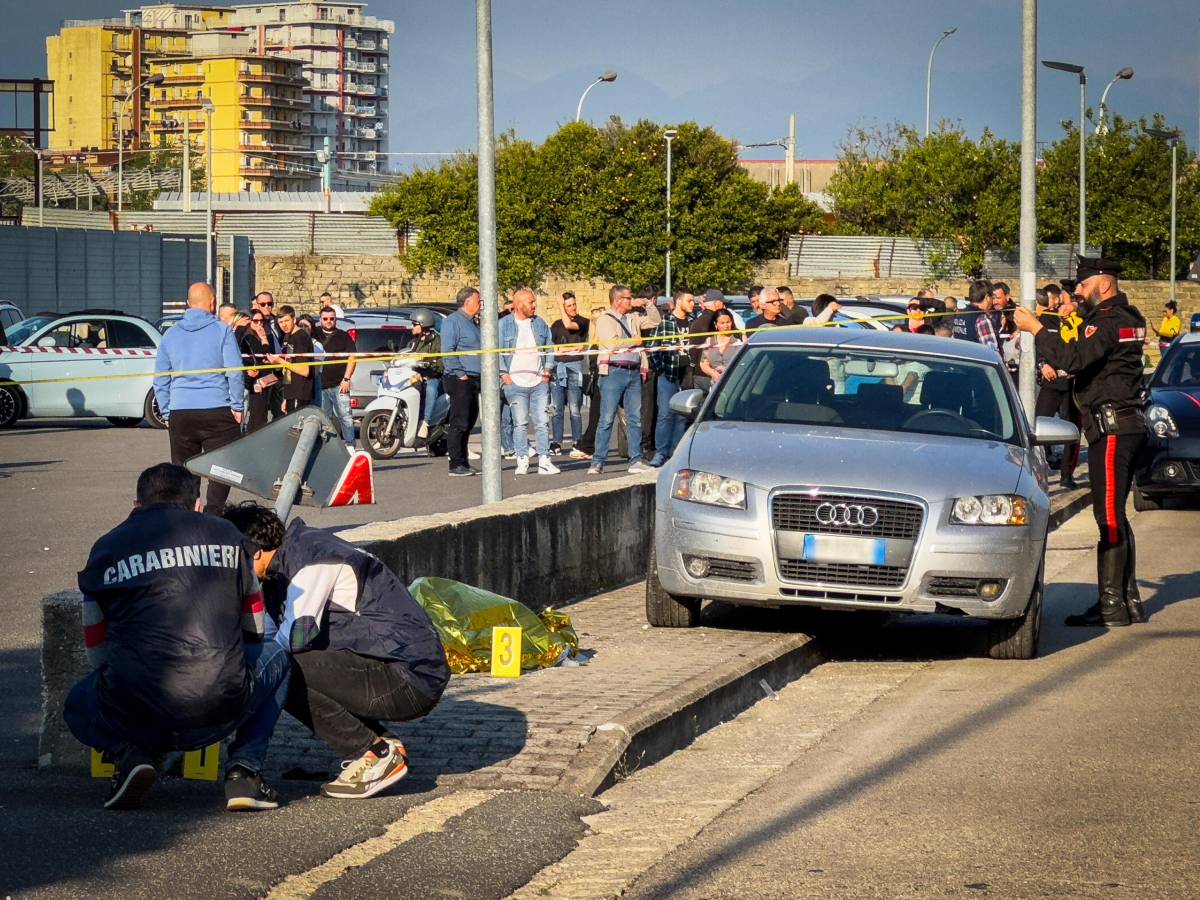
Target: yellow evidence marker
[[506, 652], [101, 768], [204, 764]]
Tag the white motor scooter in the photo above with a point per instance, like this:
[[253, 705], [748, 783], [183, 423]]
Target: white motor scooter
[[390, 421]]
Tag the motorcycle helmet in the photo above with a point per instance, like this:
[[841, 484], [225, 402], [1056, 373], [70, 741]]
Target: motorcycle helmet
[[424, 318]]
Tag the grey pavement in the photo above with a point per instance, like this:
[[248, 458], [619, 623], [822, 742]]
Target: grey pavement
[[1072, 775]]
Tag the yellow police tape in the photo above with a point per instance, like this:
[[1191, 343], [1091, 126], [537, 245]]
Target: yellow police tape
[[632, 343]]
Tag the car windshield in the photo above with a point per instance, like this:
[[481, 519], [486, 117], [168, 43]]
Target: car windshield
[[388, 339], [848, 388], [1181, 368], [24, 330]]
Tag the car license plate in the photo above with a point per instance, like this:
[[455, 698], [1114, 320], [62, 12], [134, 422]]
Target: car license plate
[[832, 548]]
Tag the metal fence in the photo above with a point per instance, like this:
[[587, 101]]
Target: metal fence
[[834, 256], [63, 270], [272, 234]]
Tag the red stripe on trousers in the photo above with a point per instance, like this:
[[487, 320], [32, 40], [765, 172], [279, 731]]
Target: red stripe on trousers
[[1110, 489]]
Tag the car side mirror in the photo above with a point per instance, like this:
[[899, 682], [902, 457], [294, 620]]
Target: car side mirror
[[46, 342], [687, 403], [1050, 430]]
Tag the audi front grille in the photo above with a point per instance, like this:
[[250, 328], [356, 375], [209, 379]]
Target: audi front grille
[[847, 514], [843, 573]]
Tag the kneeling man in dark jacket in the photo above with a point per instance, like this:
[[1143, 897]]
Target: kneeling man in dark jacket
[[364, 651], [173, 619]]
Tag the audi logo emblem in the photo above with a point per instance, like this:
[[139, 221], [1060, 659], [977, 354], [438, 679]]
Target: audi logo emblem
[[847, 514]]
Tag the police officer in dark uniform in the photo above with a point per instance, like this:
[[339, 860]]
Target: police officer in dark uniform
[[1106, 362]]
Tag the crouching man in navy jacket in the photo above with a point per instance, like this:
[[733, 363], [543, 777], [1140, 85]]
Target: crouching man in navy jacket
[[174, 622], [364, 652]]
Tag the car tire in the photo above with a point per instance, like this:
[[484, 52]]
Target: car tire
[[152, 415], [12, 406], [1018, 638], [124, 421], [1144, 503], [368, 431], [665, 610]]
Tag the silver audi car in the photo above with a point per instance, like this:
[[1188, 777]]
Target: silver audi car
[[858, 470]]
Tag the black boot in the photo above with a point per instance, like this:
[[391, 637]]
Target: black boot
[[1133, 596], [1109, 610]]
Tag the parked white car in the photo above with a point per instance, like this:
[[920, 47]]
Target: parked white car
[[51, 368]]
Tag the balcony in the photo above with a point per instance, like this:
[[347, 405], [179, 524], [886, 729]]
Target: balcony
[[176, 103], [191, 78], [276, 102], [170, 125], [368, 133], [269, 125], [367, 90], [269, 78], [267, 146]]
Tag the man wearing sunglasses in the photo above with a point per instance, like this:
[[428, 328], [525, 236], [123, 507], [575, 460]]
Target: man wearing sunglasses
[[264, 303], [335, 378], [772, 311]]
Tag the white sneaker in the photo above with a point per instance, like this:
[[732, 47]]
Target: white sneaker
[[595, 469], [471, 454], [368, 775], [639, 466], [522, 465], [423, 430], [510, 456], [576, 453], [546, 467]]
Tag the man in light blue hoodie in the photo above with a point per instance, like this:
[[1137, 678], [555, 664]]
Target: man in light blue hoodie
[[202, 411]]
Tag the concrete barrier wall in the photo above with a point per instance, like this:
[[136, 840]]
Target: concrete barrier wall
[[543, 549]]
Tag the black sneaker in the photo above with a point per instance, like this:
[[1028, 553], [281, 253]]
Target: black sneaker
[[555, 449], [460, 471], [134, 777], [246, 791]]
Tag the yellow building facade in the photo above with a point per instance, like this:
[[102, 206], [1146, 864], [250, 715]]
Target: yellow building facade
[[96, 65], [258, 120]]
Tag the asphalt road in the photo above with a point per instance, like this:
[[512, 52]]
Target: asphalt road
[[1072, 775], [64, 483]]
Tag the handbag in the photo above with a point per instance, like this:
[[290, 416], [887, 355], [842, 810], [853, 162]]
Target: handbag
[[265, 382]]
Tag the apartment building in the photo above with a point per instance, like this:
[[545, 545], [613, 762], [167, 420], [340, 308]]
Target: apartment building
[[343, 54], [258, 119]]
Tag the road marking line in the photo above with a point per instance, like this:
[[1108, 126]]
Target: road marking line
[[422, 819]]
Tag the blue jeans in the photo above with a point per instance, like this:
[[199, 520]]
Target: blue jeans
[[271, 666], [433, 390], [525, 402], [669, 426], [336, 405], [568, 392], [506, 424], [619, 388]]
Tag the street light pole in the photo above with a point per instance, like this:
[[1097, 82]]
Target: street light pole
[[606, 77], [670, 134], [489, 288], [1172, 138], [1027, 373], [153, 79], [210, 275], [1124, 75], [1079, 70], [929, 78]]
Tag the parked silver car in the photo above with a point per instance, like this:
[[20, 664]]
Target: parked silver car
[[858, 470]]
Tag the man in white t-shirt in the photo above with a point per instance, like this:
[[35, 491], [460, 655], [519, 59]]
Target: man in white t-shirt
[[526, 372]]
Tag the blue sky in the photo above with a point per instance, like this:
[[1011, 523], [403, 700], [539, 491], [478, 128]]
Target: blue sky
[[743, 65]]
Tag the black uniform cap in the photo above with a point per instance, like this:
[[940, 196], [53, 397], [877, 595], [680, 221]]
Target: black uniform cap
[[1089, 266]]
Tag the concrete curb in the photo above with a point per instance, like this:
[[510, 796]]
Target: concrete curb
[[674, 718]]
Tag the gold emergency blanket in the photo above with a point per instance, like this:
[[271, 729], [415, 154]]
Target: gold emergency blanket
[[464, 617]]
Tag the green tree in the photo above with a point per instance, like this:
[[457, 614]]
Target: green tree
[[960, 194], [592, 202], [1129, 196]]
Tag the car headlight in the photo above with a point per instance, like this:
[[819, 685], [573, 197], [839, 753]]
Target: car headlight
[[1162, 423], [705, 487], [990, 509]]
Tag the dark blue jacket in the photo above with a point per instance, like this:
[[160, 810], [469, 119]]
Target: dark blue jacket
[[366, 608]]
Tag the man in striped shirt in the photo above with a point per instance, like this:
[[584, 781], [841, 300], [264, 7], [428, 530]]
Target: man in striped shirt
[[173, 622]]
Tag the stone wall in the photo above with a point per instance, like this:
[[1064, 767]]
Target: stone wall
[[383, 281]]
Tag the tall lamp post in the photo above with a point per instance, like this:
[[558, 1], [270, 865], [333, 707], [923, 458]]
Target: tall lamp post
[[152, 80], [929, 78], [206, 105], [1124, 75], [606, 77], [670, 134], [1078, 70], [1172, 138]]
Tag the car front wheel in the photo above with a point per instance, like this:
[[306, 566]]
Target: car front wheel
[[153, 415], [1018, 638], [665, 610]]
